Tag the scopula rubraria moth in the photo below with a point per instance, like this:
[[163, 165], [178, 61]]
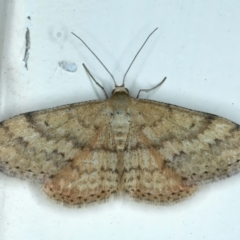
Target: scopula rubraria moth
[[85, 152]]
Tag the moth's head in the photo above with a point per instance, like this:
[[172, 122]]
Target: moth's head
[[120, 89]]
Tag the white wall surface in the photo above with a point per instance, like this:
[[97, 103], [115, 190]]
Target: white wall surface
[[196, 47]]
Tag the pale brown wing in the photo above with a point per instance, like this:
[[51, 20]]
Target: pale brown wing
[[144, 180], [170, 150], [145, 173], [198, 147], [70, 149], [90, 177]]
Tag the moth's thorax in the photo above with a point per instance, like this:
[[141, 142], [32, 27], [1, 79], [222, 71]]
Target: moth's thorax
[[120, 118]]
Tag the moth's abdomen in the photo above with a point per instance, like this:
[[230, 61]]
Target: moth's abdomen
[[120, 123]]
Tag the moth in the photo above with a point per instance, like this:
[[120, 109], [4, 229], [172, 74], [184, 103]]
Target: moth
[[86, 152]]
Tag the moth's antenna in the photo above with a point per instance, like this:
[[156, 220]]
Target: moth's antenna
[[95, 57], [137, 54]]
